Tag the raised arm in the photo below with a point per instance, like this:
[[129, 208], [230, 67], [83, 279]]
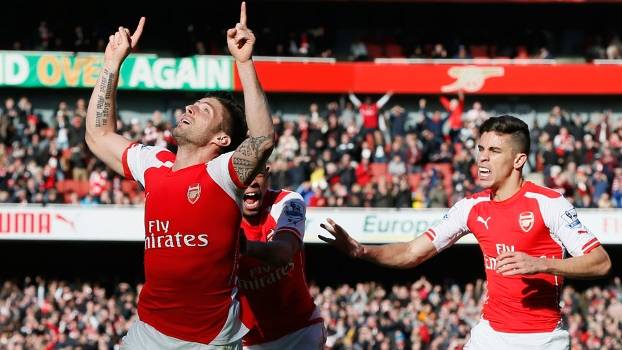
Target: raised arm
[[355, 101], [423, 108], [252, 154], [384, 99], [101, 119]]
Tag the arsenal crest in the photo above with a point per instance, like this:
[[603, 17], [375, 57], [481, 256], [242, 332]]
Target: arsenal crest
[[526, 220], [194, 192]]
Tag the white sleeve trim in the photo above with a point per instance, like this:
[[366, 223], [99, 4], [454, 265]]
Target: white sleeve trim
[[218, 170], [563, 222]]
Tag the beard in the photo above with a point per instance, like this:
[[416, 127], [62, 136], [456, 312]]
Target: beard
[[186, 137], [180, 137]]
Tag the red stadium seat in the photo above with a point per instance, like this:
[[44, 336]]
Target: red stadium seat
[[521, 52], [379, 169], [414, 180], [130, 187], [447, 171], [479, 51], [374, 50], [394, 51], [66, 186]]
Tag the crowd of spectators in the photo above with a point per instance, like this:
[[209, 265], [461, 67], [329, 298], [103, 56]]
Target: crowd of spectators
[[340, 155], [325, 38], [49, 162], [40, 314]]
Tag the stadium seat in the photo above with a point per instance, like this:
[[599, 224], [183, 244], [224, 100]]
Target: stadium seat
[[394, 50], [374, 50], [479, 51], [130, 187], [521, 52], [66, 186], [414, 179], [446, 170], [379, 171]]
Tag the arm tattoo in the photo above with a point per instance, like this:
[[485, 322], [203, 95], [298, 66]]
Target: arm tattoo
[[104, 96], [250, 156]]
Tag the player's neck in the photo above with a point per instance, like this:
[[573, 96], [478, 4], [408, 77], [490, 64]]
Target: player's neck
[[189, 155], [508, 188], [253, 220]]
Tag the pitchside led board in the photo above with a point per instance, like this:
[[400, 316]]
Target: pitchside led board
[[139, 72], [311, 75], [371, 225]]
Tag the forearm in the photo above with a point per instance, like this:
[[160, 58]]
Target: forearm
[[101, 112], [252, 154], [255, 103], [355, 101], [396, 255], [586, 266], [273, 253], [383, 100]]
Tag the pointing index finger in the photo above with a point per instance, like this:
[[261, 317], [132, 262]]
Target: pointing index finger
[[243, 14], [138, 32]]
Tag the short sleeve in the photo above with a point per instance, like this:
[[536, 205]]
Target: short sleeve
[[138, 158], [452, 227], [289, 215], [221, 170], [563, 221]]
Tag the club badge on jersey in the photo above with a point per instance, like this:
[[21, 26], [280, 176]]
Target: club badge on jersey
[[194, 192], [526, 220]]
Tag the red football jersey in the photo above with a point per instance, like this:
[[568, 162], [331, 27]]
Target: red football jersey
[[192, 220], [277, 295], [537, 221], [369, 113]]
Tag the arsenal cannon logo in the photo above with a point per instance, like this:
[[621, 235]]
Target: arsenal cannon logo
[[526, 220], [194, 192]]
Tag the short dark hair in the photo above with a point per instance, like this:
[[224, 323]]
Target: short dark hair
[[507, 124], [234, 120]]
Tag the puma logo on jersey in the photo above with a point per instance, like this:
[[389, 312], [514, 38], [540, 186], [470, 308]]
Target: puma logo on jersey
[[485, 222]]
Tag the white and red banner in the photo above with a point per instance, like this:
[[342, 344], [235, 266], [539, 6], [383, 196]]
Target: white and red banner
[[61, 70], [367, 225]]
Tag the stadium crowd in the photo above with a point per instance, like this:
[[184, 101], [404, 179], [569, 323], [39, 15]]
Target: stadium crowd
[[40, 314], [339, 155], [325, 38]]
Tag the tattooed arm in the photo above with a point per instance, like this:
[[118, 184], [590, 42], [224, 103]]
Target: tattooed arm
[[252, 154], [101, 119]]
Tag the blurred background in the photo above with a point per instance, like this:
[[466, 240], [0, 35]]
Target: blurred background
[[376, 105]]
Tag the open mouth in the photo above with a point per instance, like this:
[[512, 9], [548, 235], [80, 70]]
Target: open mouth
[[251, 200], [184, 120], [484, 173]]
